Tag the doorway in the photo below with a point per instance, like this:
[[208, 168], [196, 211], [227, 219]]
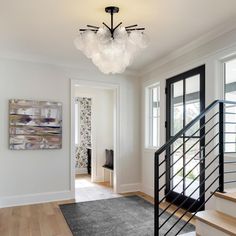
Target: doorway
[[185, 99], [94, 136]]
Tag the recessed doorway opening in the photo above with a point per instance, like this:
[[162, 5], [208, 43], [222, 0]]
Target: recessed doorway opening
[[94, 141]]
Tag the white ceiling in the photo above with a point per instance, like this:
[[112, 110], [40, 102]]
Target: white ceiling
[[45, 29]]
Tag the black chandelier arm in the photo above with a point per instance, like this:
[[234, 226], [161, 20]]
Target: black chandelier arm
[[92, 26], [106, 26], [117, 26], [135, 29], [111, 10], [131, 26], [83, 30]]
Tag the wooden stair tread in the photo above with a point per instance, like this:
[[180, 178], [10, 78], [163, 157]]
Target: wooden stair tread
[[218, 220], [230, 195]]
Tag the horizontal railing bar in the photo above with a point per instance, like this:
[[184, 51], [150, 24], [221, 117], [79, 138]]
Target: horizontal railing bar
[[200, 128], [169, 167], [181, 134], [183, 178], [189, 136], [230, 162], [179, 218], [229, 106], [188, 173], [230, 172], [192, 136], [176, 198], [230, 182], [229, 113], [179, 207], [193, 215], [189, 162], [227, 102], [190, 124]]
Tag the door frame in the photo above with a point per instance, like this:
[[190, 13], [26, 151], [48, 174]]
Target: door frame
[[116, 129], [172, 195]]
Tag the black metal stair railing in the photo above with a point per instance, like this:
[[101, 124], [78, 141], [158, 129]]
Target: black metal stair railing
[[210, 156]]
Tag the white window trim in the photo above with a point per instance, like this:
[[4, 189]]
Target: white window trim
[[223, 75], [149, 117]]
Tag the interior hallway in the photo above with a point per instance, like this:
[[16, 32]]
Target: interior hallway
[[85, 190]]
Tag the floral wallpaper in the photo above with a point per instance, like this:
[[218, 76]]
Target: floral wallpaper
[[85, 132]]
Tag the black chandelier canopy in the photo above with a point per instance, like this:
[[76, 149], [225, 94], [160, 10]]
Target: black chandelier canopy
[[112, 10]]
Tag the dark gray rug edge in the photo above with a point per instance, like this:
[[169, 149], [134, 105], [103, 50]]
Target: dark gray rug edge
[[109, 199], [105, 199]]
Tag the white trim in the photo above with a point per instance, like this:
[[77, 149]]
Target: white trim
[[97, 84], [200, 41], [80, 171], [34, 58], [37, 198], [98, 179], [149, 116], [148, 190], [128, 188], [204, 39]]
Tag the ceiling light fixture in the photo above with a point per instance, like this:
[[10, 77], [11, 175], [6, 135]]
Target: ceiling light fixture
[[111, 49]]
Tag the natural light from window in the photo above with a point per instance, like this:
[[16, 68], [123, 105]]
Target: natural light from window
[[230, 95], [153, 116]]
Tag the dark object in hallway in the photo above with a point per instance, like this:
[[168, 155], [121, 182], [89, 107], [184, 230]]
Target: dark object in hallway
[[109, 159], [130, 216], [89, 151]]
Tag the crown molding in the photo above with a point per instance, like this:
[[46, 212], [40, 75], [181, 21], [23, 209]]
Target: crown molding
[[37, 59], [200, 41]]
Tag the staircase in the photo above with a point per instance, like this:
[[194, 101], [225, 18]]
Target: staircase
[[222, 220], [214, 175]]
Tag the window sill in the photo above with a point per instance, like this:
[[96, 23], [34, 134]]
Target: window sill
[[150, 149]]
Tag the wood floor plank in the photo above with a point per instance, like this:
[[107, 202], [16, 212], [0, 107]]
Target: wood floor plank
[[46, 219]]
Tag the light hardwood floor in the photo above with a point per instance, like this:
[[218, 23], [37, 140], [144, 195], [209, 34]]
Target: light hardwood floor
[[45, 219]]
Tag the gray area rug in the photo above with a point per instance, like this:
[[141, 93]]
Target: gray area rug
[[124, 216]]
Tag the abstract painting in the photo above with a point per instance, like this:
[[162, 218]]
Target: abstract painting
[[35, 125]]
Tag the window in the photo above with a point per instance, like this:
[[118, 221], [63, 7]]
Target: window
[[152, 116], [230, 95]]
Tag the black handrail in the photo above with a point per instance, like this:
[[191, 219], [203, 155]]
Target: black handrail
[[220, 167]]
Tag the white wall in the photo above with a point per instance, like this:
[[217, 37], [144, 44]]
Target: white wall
[[37, 176], [102, 124], [210, 54]]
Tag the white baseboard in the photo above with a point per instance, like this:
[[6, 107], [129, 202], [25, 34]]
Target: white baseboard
[[30, 199], [148, 190], [98, 179], [127, 188], [81, 171]]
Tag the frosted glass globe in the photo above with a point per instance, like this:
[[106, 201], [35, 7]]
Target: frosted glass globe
[[111, 54]]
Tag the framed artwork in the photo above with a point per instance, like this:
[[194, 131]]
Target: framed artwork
[[35, 125]]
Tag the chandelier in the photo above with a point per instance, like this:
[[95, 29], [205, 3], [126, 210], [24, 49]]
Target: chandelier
[[112, 48]]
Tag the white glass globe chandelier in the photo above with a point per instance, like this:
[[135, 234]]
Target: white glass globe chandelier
[[111, 49]]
